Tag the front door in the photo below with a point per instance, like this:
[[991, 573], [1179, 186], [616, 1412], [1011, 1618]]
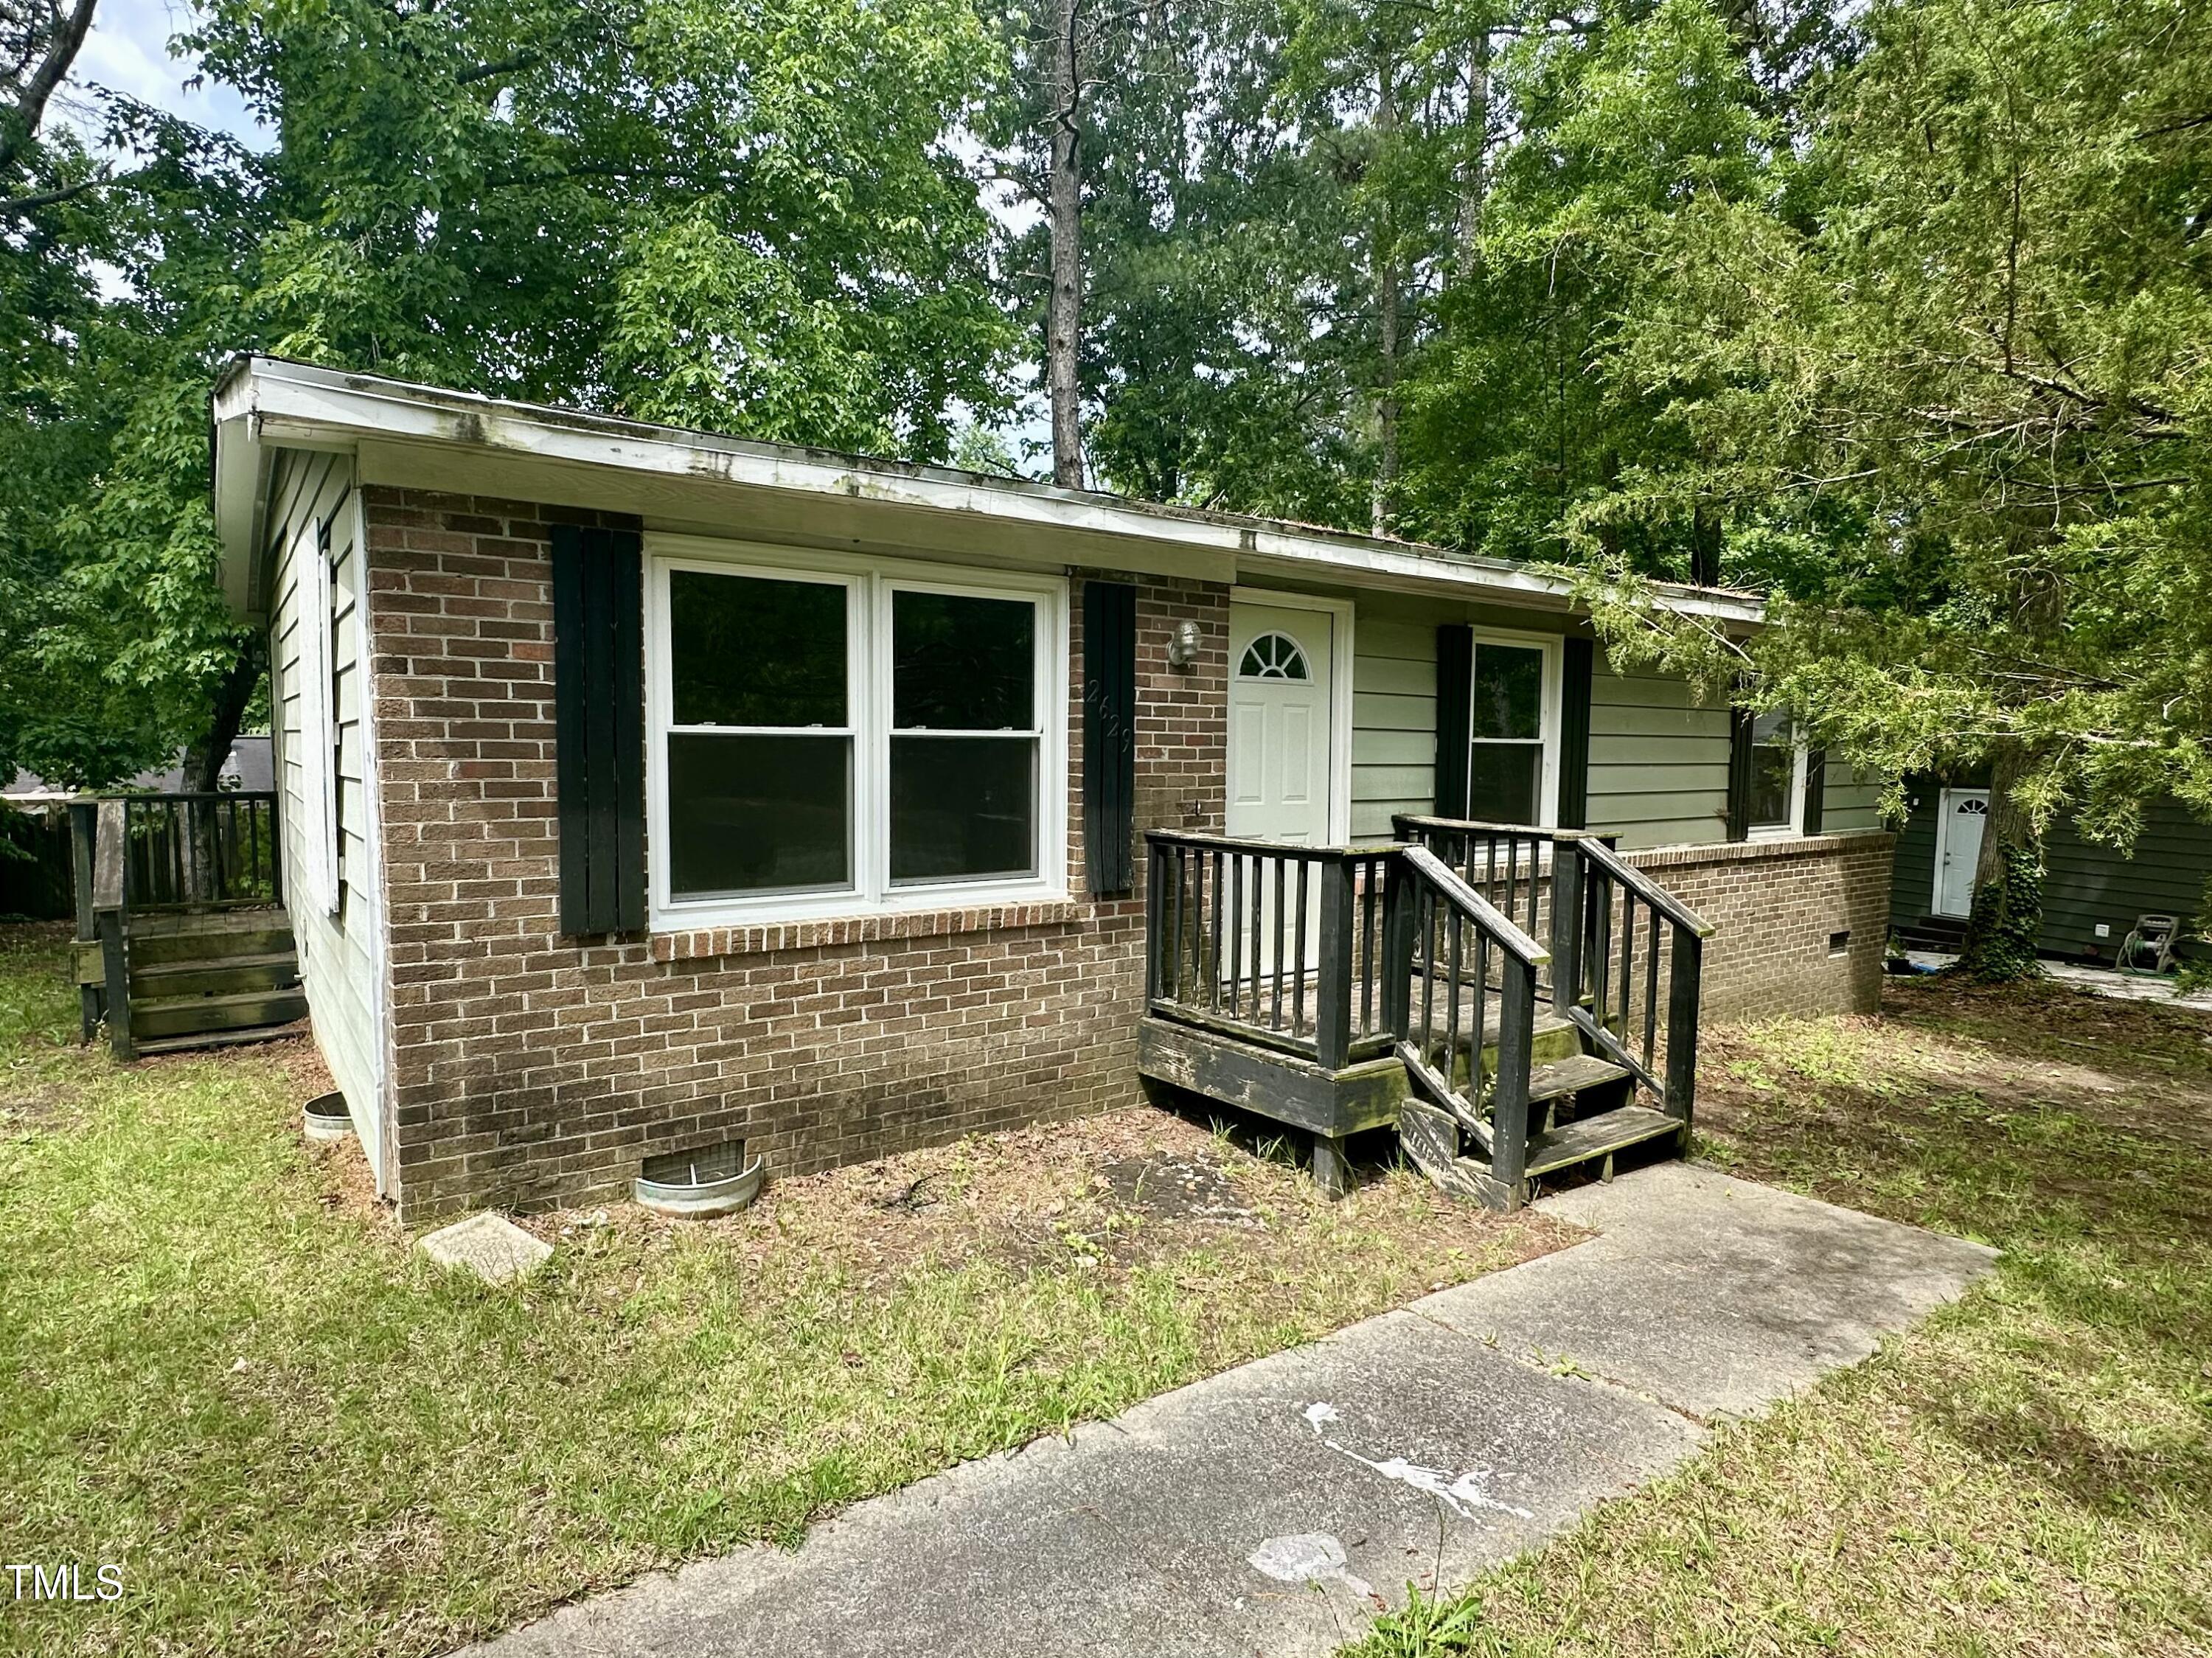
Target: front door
[[1963, 816], [1279, 713]]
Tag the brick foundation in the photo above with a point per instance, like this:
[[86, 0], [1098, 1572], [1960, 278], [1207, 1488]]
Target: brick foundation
[[1777, 904], [528, 1070]]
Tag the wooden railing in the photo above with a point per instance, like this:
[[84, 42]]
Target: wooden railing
[[1620, 1012], [1462, 980], [199, 851], [1429, 949], [159, 853], [1627, 955], [1279, 945]]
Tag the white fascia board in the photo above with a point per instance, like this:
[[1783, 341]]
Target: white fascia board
[[266, 401]]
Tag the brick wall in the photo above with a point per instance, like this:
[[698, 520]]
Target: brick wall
[[1778, 905], [528, 1070]]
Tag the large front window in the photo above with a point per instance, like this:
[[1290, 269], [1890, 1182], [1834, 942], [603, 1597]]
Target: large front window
[[837, 738]]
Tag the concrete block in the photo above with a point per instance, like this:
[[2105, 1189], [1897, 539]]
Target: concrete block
[[491, 1245]]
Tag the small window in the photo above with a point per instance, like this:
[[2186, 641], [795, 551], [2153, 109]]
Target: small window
[[1273, 656], [1505, 758], [1774, 775], [1840, 944]]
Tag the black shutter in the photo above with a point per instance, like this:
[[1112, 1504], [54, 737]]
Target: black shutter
[[1739, 773], [1109, 735], [1455, 710], [1816, 788], [1574, 734], [598, 725]]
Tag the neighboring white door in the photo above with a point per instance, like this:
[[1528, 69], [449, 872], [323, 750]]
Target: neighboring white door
[[1963, 816], [1279, 732]]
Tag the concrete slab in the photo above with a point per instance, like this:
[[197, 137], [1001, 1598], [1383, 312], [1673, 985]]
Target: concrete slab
[[491, 1245], [1711, 1294], [1274, 1508]]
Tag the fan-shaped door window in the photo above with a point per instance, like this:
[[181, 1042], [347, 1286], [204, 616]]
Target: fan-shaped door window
[[1273, 656]]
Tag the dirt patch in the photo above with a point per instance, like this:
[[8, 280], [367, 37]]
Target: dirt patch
[[1113, 1192], [1172, 1187]]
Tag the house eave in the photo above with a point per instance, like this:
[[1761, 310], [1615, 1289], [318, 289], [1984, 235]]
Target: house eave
[[566, 457]]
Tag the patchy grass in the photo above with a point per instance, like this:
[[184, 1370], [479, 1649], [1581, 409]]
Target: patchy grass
[[2029, 1471], [227, 1373]]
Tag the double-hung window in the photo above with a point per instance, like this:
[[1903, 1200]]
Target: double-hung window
[[1778, 776], [843, 736], [1510, 730]]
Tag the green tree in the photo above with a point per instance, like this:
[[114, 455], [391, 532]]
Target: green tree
[[746, 216], [1944, 378]]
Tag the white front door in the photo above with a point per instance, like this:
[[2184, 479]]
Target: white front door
[[1961, 818], [1279, 713]]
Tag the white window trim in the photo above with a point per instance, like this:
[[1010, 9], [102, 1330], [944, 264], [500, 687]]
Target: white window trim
[[1341, 660], [1553, 647], [1796, 826], [869, 583]]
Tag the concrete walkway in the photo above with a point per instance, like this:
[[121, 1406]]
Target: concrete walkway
[[1269, 1509]]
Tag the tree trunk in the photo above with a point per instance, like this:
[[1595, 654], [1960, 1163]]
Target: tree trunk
[[1387, 304], [203, 758], [1064, 308], [1474, 169], [2007, 918]]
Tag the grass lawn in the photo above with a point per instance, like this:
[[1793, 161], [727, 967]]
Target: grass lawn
[[225, 1370], [2030, 1471]]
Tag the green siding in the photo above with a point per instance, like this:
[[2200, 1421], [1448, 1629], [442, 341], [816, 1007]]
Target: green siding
[[1393, 720], [1658, 760], [1852, 801], [1912, 876], [2084, 883]]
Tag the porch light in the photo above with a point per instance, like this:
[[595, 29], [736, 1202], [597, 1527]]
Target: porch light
[[1183, 649]]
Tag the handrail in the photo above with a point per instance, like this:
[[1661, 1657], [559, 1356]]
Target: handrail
[[1475, 907], [1406, 820], [1649, 889], [1270, 848]]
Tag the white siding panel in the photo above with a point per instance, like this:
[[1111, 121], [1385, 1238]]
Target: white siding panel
[[341, 954]]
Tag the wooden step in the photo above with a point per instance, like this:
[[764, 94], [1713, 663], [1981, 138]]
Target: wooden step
[[260, 1033], [182, 1016], [1596, 1137], [1571, 1076], [222, 976], [165, 938]]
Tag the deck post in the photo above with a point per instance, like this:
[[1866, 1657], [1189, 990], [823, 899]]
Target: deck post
[[109, 898], [1156, 911], [1397, 965], [1509, 1098], [84, 826], [1333, 980], [1682, 987], [1566, 924], [1332, 1168]]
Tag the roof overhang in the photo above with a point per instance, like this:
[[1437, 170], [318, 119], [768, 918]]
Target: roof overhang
[[422, 437]]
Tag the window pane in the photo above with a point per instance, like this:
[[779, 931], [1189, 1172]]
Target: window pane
[[747, 650], [1508, 693], [963, 805], [1502, 781], [962, 664], [1773, 769], [758, 814]]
